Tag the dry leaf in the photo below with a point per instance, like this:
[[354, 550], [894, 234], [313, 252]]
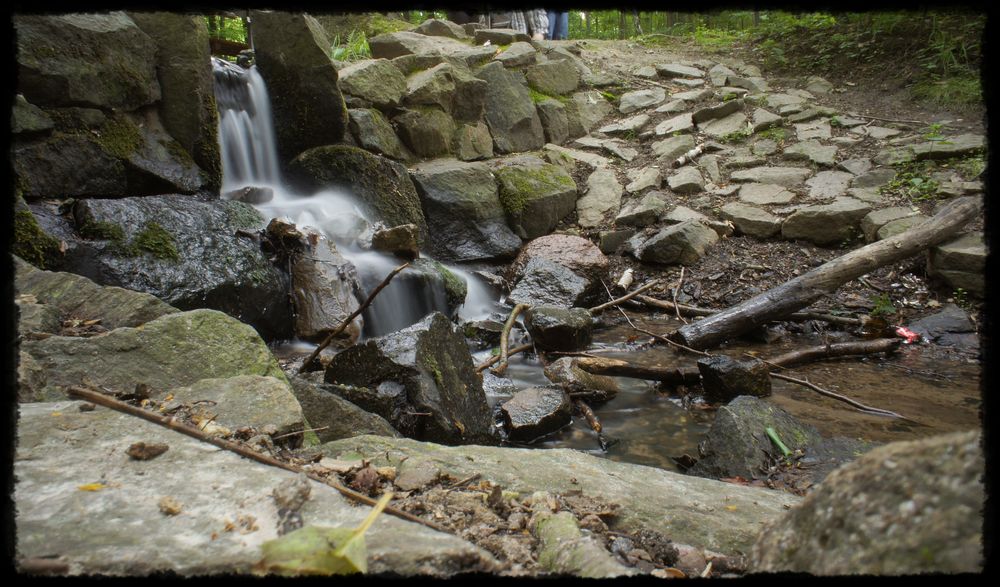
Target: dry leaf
[[169, 506], [92, 487]]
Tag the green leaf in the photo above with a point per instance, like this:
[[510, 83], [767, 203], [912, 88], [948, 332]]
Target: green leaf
[[315, 550]]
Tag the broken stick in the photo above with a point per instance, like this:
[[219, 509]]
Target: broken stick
[[825, 279], [623, 299], [496, 358], [343, 325], [505, 338]]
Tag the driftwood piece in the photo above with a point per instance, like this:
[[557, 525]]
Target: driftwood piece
[[837, 349], [794, 317], [371, 297], [825, 279], [505, 338], [623, 299], [179, 426], [617, 367]]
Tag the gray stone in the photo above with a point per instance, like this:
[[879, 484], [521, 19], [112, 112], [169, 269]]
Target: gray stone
[[945, 327], [603, 197], [37, 318], [436, 27], [683, 507], [423, 368], [753, 85], [121, 535], [734, 123], [510, 113], [590, 159], [567, 374], [710, 165], [804, 116], [875, 178], [686, 180], [517, 54], [779, 100], [376, 80], [465, 219], [812, 151], [724, 378], [899, 226], [647, 177], [676, 70], [691, 95], [682, 123], [923, 499], [609, 241], [472, 142], [751, 220], [719, 73], [762, 120], [292, 54], [646, 72], [500, 36], [856, 166], [426, 131], [669, 150], [673, 107], [683, 243], [333, 416], [629, 102], [401, 241], [558, 269], [633, 124], [784, 176], [717, 111], [558, 329], [26, 118], [958, 146], [546, 282], [870, 195], [828, 184], [535, 195], [729, 92], [434, 86], [826, 224], [813, 130], [818, 85], [585, 110], [173, 350], [764, 194], [244, 400], [326, 290], [880, 132], [374, 133], [878, 218], [392, 45], [553, 77]]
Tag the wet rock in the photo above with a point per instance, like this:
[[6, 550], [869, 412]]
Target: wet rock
[[382, 186], [826, 224], [585, 110], [558, 329], [738, 446], [553, 78], [535, 412], [374, 133], [510, 112], [784, 176], [161, 245], [751, 220], [566, 373], [764, 194], [552, 113], [724, 378], [399, 240], [642, 212], [333, 416], [427, 131], [922, 498], [535, 195], [813, 151], [557, 269], [943, 326], [602, 197], [216, 488], [876, 219], [517, 55], [682, 244], [423, 369], [629, 102], [465, 217], [251, 195], [961, 263], [176, 349], [325, 290], [291, 52]]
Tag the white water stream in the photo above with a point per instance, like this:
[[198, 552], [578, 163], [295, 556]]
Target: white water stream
[[246, 137]]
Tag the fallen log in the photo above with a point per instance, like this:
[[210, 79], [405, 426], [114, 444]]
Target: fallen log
[[617, 367], [794, 317], [802, 291], [837, 349]]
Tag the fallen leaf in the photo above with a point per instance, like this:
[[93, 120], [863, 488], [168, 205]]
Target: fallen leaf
[[169, 506], [731, 508], [141, 451], [92, 487]]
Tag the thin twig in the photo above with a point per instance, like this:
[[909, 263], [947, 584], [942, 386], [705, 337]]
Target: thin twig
[[858, 405], [672, 343], [625, 298], [495, 358], [505, 338], [895, 120], [179, 426], [299, 432], [618, 307], [680, 283], [343, 325]]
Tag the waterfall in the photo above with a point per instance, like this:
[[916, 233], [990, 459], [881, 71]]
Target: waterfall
[[249, 158]]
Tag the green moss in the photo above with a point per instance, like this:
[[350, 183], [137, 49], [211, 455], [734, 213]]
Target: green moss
[[455, 287], [31, 243], [243, 215], [519, 184], [120, 137], [102, 230], [157, 241]]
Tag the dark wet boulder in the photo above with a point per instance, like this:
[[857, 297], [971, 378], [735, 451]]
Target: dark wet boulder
[[903, 508], [737, 444], [724, 378], [950, 327], [332, 415], [402, 241], [534, 412], [187, 252], [558, 329], [535, 195], [421, 379], [465, 218], [382, 186], [292, 52], [483, 334], [558, 269]]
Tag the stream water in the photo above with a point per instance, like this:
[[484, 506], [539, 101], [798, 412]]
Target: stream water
[[645, 426]]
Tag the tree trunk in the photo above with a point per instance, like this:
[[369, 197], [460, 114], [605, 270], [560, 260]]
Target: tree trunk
[[825, 279], [621, 24], [636, 23]]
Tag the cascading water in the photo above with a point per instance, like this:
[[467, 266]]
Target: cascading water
[[249, 157]]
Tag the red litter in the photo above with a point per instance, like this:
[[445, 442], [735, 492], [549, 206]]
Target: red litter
[[909, 335]]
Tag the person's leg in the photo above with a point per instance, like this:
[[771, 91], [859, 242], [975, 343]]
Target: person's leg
[[563, 29], [552, 14]]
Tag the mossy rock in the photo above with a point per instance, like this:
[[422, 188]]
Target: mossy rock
[[535, 195], [383, 187], [31, 243]]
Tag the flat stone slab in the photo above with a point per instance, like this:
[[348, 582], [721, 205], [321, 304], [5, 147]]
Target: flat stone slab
[[825, 224], [676, 70], [812, 151], [717, 111], [629, 102], [642, 212], [829, 184], [750, 220], [644, 178], [783, 176], [678, 124], [874, 178], [603, 197], [631, 124], [765, 194], [899, 226], [668, 150], [118, 528], [673, 107], [686, 180], [590, 159], [691, 95], [762, 120], [876, 219], [881, 132], [856, 166], [734, 123], [518, 54], [813, 130], [779, 100]]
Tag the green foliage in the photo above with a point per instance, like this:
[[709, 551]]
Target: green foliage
[[912, 181], [230, 29], [883, 306], [33, 244], [960, 90], [737, 136], [775, 133], [353, 48]]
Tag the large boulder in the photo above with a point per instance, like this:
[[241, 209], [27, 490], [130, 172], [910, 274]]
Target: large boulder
[[292, 53], [176, 349], [382, 186], [183, 66], [451, 87], [119, 530], [374, 133], [426, 130], [558, 270], [377, 81], [558, 329], [535, 195], [421, 379], [826, 224], [333, 416], [465, 219], [325, 290], [510, 112], [92, 60], [534, 412], [904, 508], [187, 252], [553, 77], [682, 244]]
